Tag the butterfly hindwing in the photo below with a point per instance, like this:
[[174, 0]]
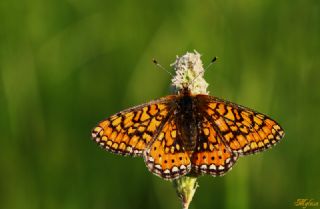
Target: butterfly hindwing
[[243, 130], [166, 156], [128, 132], [211, 155]]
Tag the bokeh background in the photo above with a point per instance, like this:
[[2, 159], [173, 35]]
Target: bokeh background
[[67, 64]]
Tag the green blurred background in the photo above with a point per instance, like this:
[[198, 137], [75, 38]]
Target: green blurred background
[[67, 64]]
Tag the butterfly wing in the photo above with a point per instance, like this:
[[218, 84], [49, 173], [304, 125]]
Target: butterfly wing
[[211, 155], [242, 130], [129, 132], [166, 156]]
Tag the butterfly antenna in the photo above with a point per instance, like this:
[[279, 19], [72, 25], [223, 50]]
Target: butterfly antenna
[[212, 61], [160, 66], [208, 66]]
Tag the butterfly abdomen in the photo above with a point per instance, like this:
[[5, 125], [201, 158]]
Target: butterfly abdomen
[[186, 122]]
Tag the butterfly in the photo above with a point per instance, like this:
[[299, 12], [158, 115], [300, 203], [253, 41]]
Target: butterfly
[[188, 133]]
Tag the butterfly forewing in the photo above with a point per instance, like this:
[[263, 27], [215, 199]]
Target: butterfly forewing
[[243, 130], [128, 132]]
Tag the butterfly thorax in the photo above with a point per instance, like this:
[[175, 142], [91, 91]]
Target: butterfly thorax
[[185, 115]]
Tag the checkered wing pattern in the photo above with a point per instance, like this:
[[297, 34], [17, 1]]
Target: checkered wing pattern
[[130, 131], [211, 155], [242, 130], [166, 157]]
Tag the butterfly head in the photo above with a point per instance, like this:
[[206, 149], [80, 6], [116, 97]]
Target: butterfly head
[[189, 75]]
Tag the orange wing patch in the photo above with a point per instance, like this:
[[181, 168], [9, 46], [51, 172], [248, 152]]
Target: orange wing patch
[[211, 155], [166, 156], [128, 132], [243, 130]]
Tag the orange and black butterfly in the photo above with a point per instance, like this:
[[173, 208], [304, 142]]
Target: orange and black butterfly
[[188, 134]]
